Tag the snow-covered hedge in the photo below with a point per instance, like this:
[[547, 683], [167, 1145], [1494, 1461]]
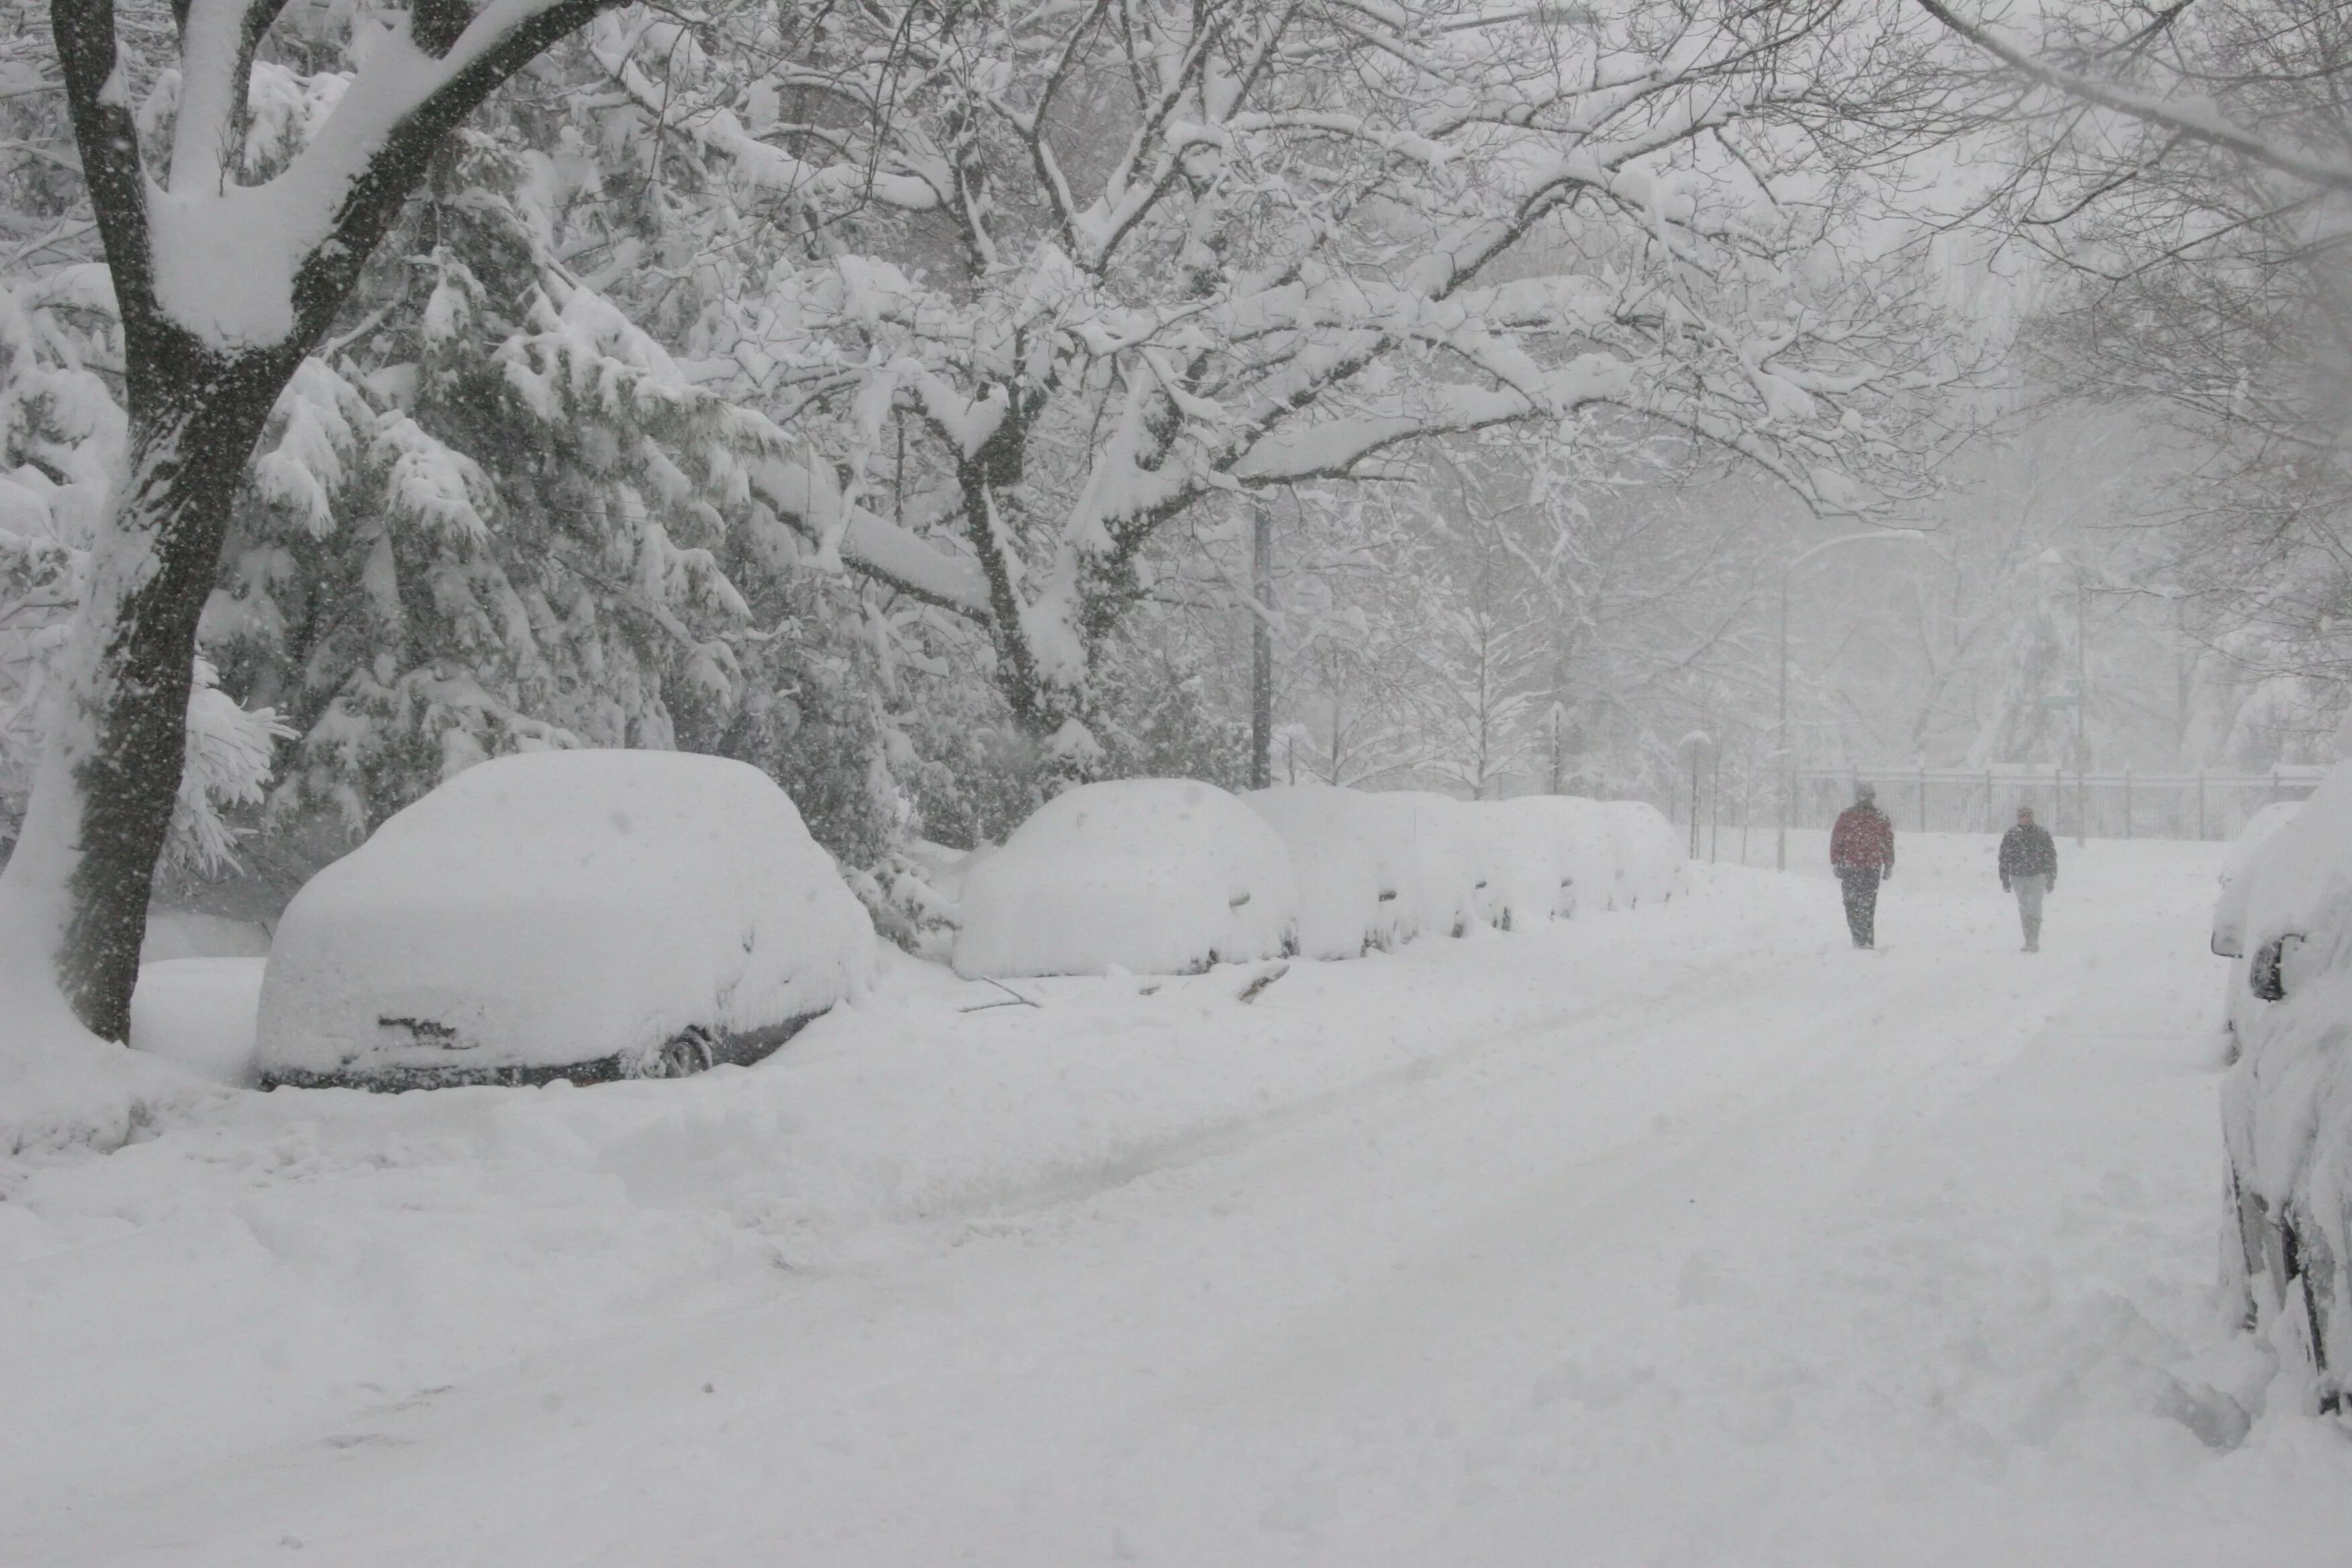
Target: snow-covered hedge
[[1155, 876], [1159, 876], [560, 908], [2286, 1105]]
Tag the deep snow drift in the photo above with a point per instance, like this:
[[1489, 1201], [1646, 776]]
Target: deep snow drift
[[1688, 1235]]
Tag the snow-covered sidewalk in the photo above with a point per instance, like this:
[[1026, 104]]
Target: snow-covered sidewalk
[[1688, 1235]]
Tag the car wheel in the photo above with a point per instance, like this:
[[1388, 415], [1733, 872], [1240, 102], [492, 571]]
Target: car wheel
[[684, 1056]]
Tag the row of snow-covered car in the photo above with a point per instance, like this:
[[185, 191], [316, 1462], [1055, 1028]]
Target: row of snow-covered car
[[2284, 917], [594, 915], [1170, 875]]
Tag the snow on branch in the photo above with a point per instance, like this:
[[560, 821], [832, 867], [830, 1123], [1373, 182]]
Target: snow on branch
[[2197, 119], [253, 267]]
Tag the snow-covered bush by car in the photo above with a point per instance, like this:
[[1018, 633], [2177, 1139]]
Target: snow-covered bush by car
[[2286, 1105], [563, 914], [1156, 876]]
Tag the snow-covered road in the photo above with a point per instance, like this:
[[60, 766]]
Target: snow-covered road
[[1686, 1237]]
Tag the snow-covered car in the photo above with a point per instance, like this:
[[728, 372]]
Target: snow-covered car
[[2228, 940], [1651, 866], [1154, 876], [1438, 891], [2230, 904], [1350, 882], [2286, 1105], [578, 915], [1571, 840]]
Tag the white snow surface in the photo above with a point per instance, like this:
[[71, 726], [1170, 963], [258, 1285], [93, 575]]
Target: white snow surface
[[1688, 1237], [1153, 876], [200, 1013], [561, 907]]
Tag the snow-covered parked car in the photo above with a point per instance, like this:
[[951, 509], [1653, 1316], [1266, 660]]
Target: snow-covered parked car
[[1155, 876], [2230, 904], [1650, 864], [1437, 892], [1515, 865], [2227, 940], [578, 915], [2286, 1105], [1573, 844], [1350, 882]]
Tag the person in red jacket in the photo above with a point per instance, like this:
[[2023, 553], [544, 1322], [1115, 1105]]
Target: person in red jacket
[[1862, 853]]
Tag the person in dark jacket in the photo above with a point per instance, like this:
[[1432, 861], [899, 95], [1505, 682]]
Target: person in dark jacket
[[2028, 867], [1862, 853]]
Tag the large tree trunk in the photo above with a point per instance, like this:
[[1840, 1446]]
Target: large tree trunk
[[85, 862]]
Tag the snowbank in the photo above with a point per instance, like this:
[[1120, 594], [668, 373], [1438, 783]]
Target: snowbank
[[200, 1013], [1349, 886], [61, 1087], [2286, 1105], [559, 908], [1155, 876]]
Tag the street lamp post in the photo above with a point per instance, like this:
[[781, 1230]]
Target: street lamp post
[[2056, 557], [1780, 725]]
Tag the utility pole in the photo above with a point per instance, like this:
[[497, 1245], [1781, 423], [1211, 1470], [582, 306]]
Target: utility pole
[[1261, 644]]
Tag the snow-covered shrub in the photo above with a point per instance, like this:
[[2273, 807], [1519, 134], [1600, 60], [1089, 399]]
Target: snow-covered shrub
[[2286, 1105], [562, 907], [1157, 876], [1350, 883]]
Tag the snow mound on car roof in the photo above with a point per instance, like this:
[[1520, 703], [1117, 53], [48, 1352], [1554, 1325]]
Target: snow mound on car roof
[[1156, 876], [562, 907]]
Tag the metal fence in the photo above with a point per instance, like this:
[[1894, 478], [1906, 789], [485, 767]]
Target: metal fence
[[2071, 804]]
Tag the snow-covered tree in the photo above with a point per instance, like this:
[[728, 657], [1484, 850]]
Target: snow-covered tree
[[2186, 174], [1059, 276], [222, 289]]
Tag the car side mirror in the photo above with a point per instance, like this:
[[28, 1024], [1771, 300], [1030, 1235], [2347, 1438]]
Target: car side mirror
[[2263, 971]]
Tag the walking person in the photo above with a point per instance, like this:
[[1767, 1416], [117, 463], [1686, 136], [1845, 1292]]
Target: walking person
[[1862, 853], [2028, 867]]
